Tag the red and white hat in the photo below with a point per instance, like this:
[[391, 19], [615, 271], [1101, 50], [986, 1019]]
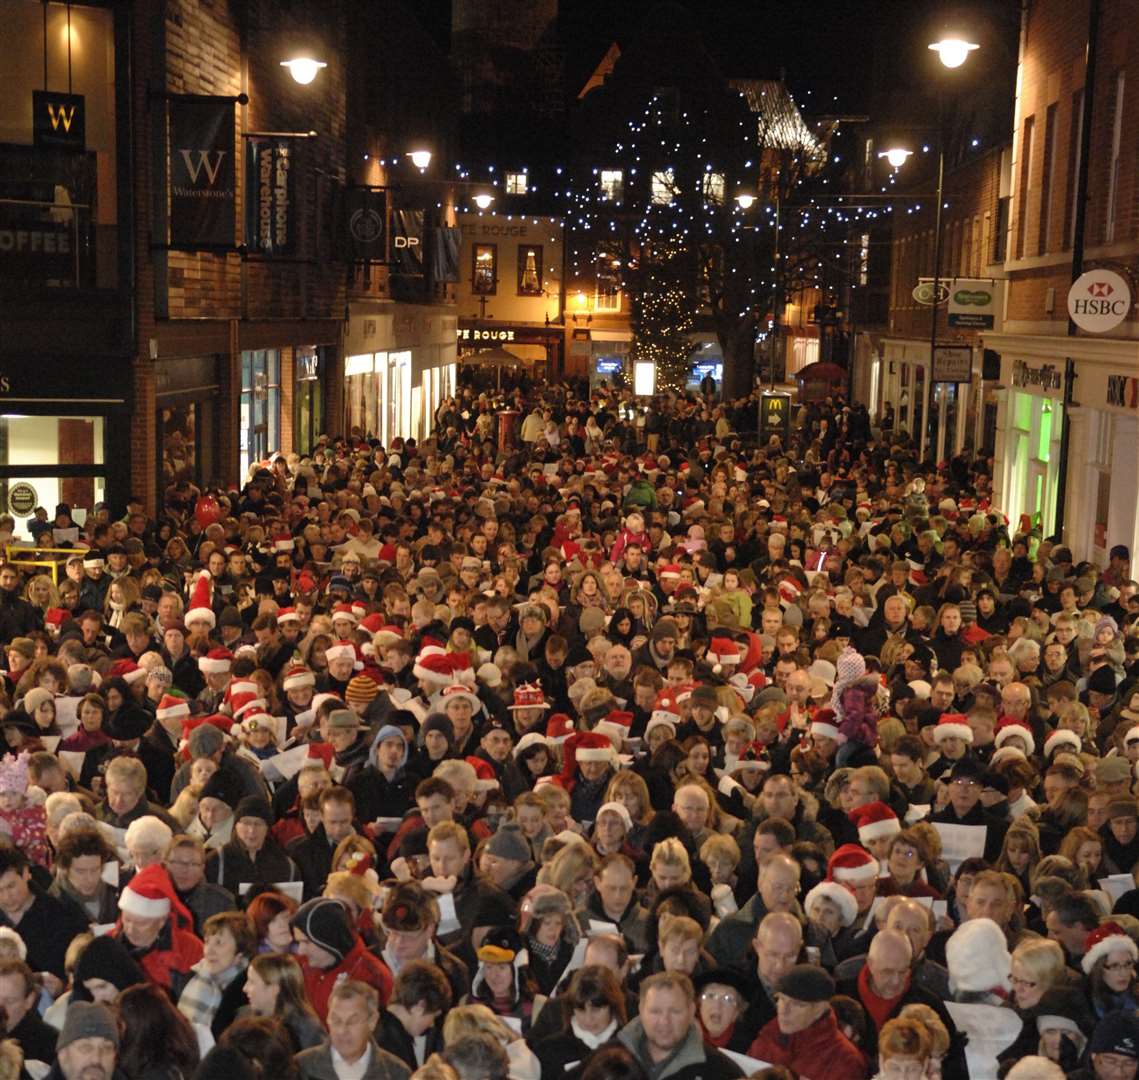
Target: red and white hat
[[56, 616], [288, 616], [485, 780], [386, 635], [340, 650], [127, 670], [242, 705], [723, 651], [1105, 939], [825, 724], [199, 609], [852, 864], [344, 611], [215, 662], [616, 727], [670, 571], [372, 622], [1010, 728], [529, 696], [590, 746], [953, 726], [1061, 738], [150, 895], [460, 692], [875, 821], [842, 898], [789, 592], [172, 708], [283, 542], [297, 678], [257, 718], [559, 727], [433, 665]]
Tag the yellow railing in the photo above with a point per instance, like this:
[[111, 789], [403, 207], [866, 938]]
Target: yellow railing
[[24, 556]]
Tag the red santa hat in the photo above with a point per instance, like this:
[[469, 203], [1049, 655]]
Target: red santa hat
[[297, 678], [670, 571], [1105, 939], [852, 864], [953, 726], [837, 895], [485, 780], [1061, 738], [344, 611], [616, 727], [559, 727], [56, 616], [789, 592], [723, 651], [825, 724], [372, 622], [1009, 728], [200, 609], [288, 616], [242, 705], [433, 665], [150, 895], [171, 707], [874, 821], [127, 670], [283, 542], [215, 662]]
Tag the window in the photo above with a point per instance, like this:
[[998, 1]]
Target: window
[[517, 183], [1046, 180], [612, 184], [1075, 151], [1025, 168], [714, 187], [1113, 175], [663, 187], [864, 262], [484, 279], [260, 405], [608, 283], [529, 270]]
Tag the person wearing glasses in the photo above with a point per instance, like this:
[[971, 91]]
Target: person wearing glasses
[[964, 808], [1109, 963], [721, 996]]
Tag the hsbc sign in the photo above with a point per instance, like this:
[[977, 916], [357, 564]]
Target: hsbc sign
[[1099, 301]]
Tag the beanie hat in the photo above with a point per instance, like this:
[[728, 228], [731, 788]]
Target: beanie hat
[[215, 662], [806, 982], [875, 821], [953, 726], [388, 731], [664, 628], [852, 863], [509, 842], [440, 723], [225, 786], [1061, 738], [200, 609], [87, 1020], [150, 895], [1116, 1033], [362, 689], [14, 773], [620, 809], [326, 923], [255, 807], [1010, 727], [1102, 680], [1106, 938], [842, 898], [977, 957], [106, 958]]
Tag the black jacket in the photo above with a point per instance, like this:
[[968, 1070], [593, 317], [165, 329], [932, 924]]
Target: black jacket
[[231, 866], [313, 855]]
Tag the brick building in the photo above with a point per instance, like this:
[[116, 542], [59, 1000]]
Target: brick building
[[1037, 356]]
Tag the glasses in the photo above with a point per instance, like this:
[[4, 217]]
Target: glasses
[[1027, 984], [183, 864], [1122, 965], [724, 998], [961, 782]]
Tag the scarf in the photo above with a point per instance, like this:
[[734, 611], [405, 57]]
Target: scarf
[[549, 953], [879, 1008], [591, 1040], [115, 618]]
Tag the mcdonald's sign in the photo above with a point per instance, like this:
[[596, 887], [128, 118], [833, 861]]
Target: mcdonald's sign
[[775, 415], [59, 120]]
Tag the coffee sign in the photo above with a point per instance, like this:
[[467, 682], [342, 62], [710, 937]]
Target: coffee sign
[[1099, 301]]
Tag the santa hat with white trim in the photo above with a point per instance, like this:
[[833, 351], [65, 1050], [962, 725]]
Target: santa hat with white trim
[[433, 665], [150, 895], [723, 652], [200, 609], [1010, 728], [1061, 738], [852, 864], [559, 727], [344, 611], [243, 705], [590, 746], [297, 678], [287, 616], [340, 650], [953, 726], [616, 727], [661, 718], [825, 724], [670, 571], [875, 821], [172, 708], [215, 662], [284, 542], [1105, 939], [842, 898]]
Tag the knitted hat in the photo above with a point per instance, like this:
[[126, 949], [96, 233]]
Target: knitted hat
[[664, 628], [297, 678], [326, 923], [977, 957], [87, 1020], [215, 662], [1105, 939], [509, 842], [225, 786], [106, 958], [14, 773], [1009, 728], [875, 821], [953, 726], [842, 898], [253, 806], [1061, 738], [853, 864], [150, 895], [200, 609], [440, 723], [620, 810], [1116, 1033], [1102, 680], [361, 689], [806, 982], [389, 731], [545, 900]]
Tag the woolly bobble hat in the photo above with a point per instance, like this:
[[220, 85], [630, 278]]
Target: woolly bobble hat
[[326, 923], [361, 689], [953, 726], [1105, 939], [1010, 728], [1061, 738], [509, 842], [842, 898], [874, 821], [977, 957], [14, 773], [852, 863]]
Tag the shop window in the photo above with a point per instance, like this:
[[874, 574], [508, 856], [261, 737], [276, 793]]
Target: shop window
[[178, 430], [484, 279], [1044, 445], [260, 405], [529, 270], [608, 278], [517, 183], [612, 184], [308, 399], [663, 187]]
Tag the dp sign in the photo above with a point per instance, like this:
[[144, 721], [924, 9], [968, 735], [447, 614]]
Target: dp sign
[[1099, 301]]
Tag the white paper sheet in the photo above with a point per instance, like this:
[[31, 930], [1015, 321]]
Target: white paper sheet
[[387, 824], [960, 842], [102, 929], [293, 889], [50, 742], [448, 917], [990, 1029], [66, 714], [1115, 885], [600, 926], [749, 1065], [111, 874], [72, 761], [285, 765]]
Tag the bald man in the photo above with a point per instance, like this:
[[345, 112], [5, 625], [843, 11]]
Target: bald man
[[777, 948], [915, 920]]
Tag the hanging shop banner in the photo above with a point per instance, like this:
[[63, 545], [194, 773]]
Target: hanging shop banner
[[270, 196], [972, 304], [59, 120], [407, 241], [445, 247], [952, 364], [202, 174], [363, 233]]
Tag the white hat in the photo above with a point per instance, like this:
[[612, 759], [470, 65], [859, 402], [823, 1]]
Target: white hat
[[977, 957], [620, 810], [842, 898], [1061, 738]]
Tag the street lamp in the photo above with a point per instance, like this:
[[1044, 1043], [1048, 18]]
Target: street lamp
[[483, 200], [420, 159], [745, 200], [303, 68], [953, 51], [896, 156]]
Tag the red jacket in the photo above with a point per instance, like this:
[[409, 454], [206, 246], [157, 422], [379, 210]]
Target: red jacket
[[169, 968], [358, 964], [821, 1052]]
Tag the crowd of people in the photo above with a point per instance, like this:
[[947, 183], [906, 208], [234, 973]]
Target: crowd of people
[[642, 749]]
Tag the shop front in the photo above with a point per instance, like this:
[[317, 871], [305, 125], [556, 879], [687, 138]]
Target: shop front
[[539, 349], [64, 437], [309, 368], [186, 406]]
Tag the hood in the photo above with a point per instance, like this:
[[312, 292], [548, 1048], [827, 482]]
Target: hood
[[388, 731]]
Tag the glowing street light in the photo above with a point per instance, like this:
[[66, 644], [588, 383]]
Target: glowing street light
[[420, 159], [896, 156], [953, 51], [745, 200], [303, 68], [483, 200]]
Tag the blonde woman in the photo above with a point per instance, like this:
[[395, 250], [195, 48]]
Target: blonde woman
[[1037, 965], [479, 1020], [572, 870], [41, 593], [630, 790], [123, 596]]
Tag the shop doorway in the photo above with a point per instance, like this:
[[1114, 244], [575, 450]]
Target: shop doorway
[[308, 398], [260, 406]]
